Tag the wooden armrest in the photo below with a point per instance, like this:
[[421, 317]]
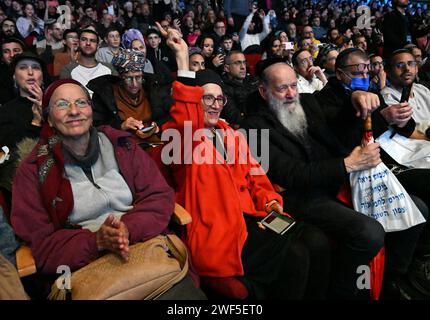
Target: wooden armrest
[[180, 215], [278, 188], [24, 261]]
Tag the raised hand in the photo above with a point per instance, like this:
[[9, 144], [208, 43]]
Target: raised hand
[[36, 98]]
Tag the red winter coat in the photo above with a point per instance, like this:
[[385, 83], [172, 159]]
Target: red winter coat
[[216, 195]]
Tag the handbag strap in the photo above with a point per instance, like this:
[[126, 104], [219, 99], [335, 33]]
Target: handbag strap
[[179, 251], [177, 248]]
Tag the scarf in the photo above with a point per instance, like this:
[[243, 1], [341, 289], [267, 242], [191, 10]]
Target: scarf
[[137, 108], [56, 191]]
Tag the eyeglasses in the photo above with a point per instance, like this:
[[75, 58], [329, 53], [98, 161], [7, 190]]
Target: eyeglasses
[[239, 63], [283, 88], [402, 65], [130, 79], [360, 67], [306, 61], [64, 104], [209, 100], [72, 37]]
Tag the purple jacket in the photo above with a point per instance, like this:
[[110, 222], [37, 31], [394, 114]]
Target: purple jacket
[[153, 203]]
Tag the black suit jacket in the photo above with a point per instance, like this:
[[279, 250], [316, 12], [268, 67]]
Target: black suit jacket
[[305, 171]]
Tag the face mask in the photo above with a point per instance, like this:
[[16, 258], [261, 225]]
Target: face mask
[[359, 84]]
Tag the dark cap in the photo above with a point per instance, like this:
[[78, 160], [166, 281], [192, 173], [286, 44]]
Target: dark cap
[[26, 55], [264, 64], [151, 31], [207, 76]]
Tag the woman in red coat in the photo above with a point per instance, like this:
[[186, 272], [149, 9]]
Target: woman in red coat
[[227, 193]]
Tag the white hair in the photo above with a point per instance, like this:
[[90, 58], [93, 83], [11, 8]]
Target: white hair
[[290, 113]]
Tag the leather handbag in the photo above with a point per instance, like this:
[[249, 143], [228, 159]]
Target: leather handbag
[[153, 268]]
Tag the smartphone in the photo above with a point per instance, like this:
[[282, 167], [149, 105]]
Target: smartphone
[[277, 222], [406, 92], [220, 50], [111, 10], [289, 46], [147, 129]]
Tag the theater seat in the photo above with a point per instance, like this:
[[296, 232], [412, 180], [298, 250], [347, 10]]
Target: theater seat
[[252, 59]]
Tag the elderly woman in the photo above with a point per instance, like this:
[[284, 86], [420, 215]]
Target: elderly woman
[[88, 191], [130, 102], [224, 237], [21, 117]]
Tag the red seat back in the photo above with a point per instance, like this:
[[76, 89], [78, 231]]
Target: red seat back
[[252, 59]]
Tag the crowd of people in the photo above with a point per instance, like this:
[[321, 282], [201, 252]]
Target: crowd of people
[[88, 93]]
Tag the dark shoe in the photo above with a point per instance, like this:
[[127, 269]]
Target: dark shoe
[[419, 275], [395, 290]]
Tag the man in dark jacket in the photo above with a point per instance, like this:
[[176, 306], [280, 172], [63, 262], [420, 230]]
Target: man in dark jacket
[[352, 66], [309, 167], [397, 27], [237, 86]]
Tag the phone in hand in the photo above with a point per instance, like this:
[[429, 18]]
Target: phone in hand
[[406, 92], [288, 45], [148, 128], [220, 50], [277, 222], [111, 10]]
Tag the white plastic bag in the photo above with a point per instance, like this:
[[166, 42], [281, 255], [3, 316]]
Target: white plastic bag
[[411, 153], [378, 194]]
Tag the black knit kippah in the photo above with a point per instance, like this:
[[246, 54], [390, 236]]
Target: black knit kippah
[[207, 76]]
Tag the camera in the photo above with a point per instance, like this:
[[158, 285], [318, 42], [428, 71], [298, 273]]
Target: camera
[[277, 222]]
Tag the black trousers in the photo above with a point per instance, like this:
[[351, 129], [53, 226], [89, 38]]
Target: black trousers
[[295, 265], [417, 183], [358, 239]]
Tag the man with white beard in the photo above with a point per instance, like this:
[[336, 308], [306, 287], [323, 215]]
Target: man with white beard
[[308, 169]]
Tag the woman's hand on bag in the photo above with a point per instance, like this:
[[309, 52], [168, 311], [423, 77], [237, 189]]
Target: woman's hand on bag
[[362, 158], [113, 236]]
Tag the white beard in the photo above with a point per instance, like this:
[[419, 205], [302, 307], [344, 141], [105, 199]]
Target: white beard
[[291, 115]]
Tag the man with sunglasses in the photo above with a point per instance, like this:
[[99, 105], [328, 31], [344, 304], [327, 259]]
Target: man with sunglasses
[[237, 85]]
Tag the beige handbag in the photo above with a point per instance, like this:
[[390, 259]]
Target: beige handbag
[[11, 287], [153, 268]]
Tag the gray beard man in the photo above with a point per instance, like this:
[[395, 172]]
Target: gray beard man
[[290, 113]]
